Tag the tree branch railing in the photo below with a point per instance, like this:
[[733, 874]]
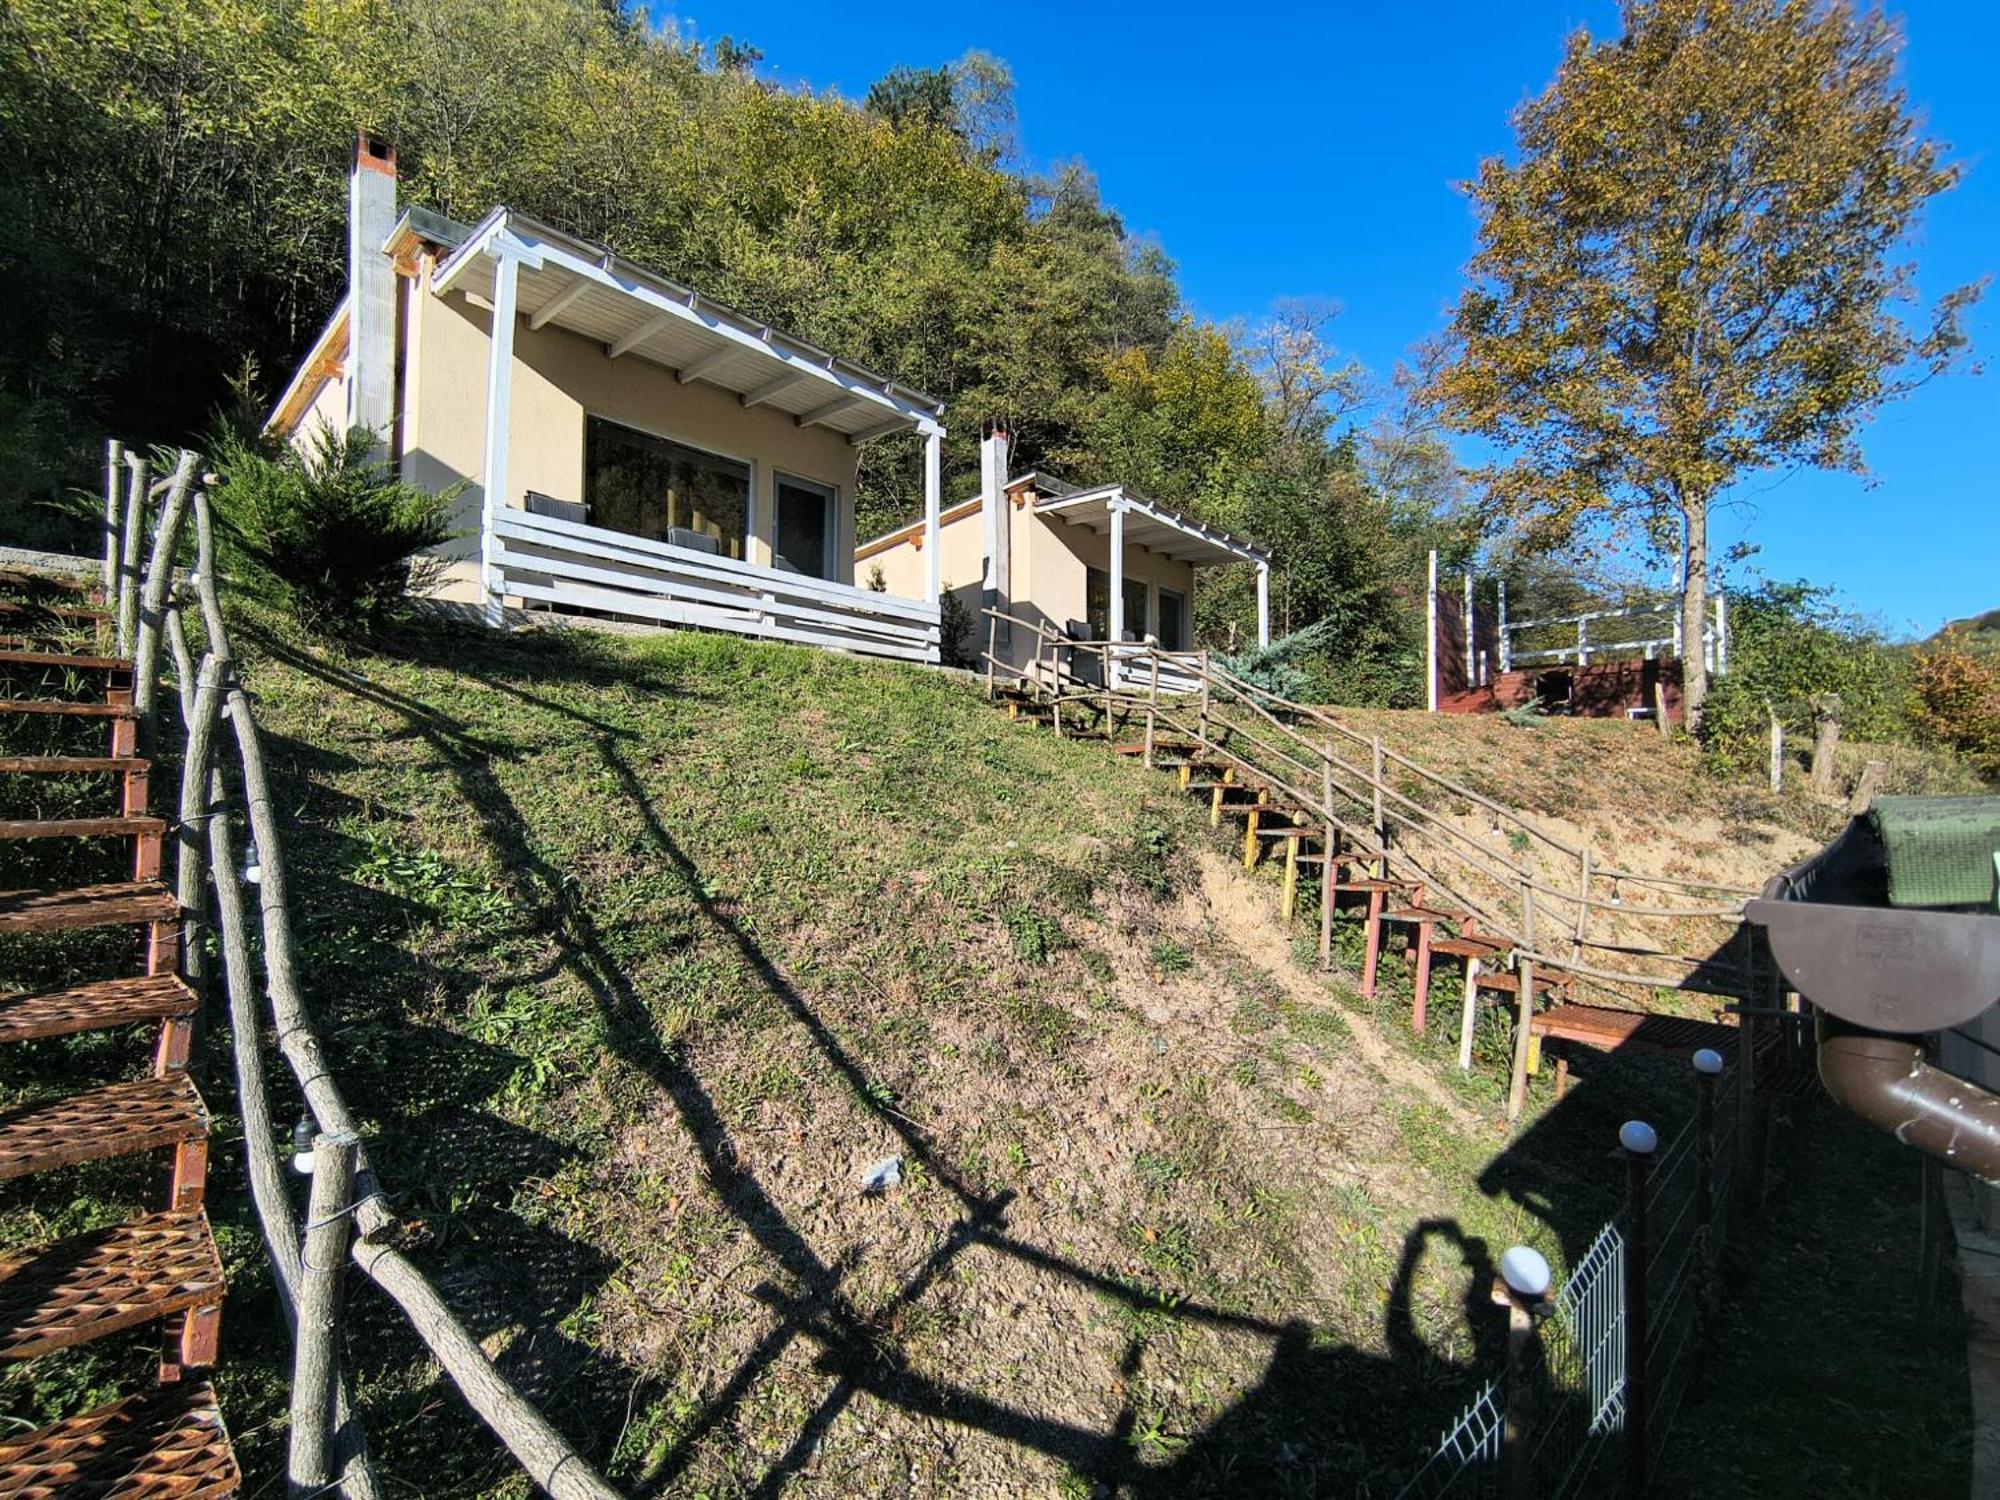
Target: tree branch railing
[[349, 1219]]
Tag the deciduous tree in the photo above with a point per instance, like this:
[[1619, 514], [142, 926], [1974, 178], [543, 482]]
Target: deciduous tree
[[1691, 270]]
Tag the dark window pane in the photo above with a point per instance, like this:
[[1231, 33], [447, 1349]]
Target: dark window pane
[[804, 528], [1096, 603], [1135, 610], [1173, 616], [648, 486]]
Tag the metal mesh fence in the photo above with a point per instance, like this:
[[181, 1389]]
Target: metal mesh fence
[[1574, 1430]]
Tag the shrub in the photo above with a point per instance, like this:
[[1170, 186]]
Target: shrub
[[1788, 643], [332, 526], [1958, 699]]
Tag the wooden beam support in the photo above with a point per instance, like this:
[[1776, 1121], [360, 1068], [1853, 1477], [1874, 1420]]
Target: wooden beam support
[[556, 305], [880, 430], [833, 408], [707, 365], [774, 387], [658, 323]]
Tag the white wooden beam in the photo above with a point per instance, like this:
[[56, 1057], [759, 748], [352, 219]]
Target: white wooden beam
[[708, 364], [1263, 605], [554, 307], [933, 505], [880, 430], [832, 408], [658, 323], [774, 387], [499, 411]]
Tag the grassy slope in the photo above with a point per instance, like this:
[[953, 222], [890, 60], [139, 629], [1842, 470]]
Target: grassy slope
[[640, 951]]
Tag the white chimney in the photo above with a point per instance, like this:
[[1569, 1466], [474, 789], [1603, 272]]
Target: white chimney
[[371, 287], [998, 589]]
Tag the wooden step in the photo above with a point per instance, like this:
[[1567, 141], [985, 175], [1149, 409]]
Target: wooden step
[[87, 906], [65, 661], [117, 1120], [74, 710], [94, 1007], [71, 765], [14, 609], [1160, 747], [1369, 887], [92, 1285], [1606, 1030], [167, 1444], [1422, 914], [1289, 831], [1508, 981], [1465, 945], [82, 828]]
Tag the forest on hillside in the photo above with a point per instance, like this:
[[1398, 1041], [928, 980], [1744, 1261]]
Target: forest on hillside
[[176, 191]]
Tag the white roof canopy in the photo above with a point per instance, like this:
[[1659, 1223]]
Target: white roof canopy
[[1151, 526], [572, 284]]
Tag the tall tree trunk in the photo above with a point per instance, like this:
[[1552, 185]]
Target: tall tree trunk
[[1694, 612]]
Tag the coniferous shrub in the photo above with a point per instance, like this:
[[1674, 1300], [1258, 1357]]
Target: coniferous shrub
[[331, 526]]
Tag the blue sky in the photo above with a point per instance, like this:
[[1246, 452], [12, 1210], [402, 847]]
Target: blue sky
[[1312, 151]]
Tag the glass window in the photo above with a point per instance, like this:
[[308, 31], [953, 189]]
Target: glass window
[[805, 531], [648, 486], [1136, 624], [1097, 603], [1173, 621]]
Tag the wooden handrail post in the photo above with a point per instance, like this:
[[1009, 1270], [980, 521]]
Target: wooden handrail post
[[1524, 1000], [1381, 821], [126, 607], [1152, 706], [992, 646], [1109, 664], [1327, 875], [329, 1226], [114, 468], [1582, 903], [1204, 701]]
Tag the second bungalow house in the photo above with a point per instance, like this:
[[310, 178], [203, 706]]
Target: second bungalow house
[[629, 447], [1099, 565]]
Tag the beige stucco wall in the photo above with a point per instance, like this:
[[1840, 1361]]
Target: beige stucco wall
[[1049, 560], [558, 380], [1058, 555]]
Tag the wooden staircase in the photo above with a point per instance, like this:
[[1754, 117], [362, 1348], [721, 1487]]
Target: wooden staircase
[[159, 1266], [1361, 877]]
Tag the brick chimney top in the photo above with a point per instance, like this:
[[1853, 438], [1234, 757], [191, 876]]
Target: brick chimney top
[[374, 154]]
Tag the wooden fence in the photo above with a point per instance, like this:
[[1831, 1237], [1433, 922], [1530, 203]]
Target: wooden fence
[[162, 607]]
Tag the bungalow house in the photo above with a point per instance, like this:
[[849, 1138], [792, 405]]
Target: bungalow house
[[629, 447], [1101, 564]]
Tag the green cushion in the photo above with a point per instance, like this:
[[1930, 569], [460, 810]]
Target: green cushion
[[1942, 851]]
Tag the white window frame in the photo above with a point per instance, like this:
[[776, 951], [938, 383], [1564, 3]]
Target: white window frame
[[830, 561], [666, 436]]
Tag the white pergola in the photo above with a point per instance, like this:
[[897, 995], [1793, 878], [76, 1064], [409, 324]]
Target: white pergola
[[527, 270], [1127, 518]]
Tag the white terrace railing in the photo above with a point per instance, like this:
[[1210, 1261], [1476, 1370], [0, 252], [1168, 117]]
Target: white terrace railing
[[1644, 631], [569, 565]]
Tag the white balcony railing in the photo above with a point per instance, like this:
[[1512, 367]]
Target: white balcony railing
[[569, 565]]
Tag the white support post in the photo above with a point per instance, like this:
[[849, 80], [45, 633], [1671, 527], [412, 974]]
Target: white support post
[[1506, 649], [499, 409], [933, 502], [1471, 679], [1431, 636], [1721, 633], [1117, 630], [1263, 605]]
